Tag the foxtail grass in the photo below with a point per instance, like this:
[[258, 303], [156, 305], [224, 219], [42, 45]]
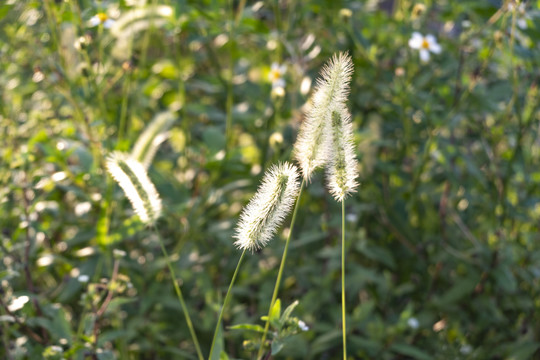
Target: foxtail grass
[[341, 174], [326, 140], [260, 220], [131, 175], [311, 148], [280, 271], [152, 137]]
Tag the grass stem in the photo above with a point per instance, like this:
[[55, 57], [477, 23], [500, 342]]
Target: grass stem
[[225, 303], [343, 312], [181, 299], [280, 272]]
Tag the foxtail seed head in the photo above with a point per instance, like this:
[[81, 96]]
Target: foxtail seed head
[[151, 138], [342, 169], [331, 92], [131, 175], [266, 211]]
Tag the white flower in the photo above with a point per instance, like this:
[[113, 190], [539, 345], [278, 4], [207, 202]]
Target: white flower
[[466, 349], [268, 208], [413, 323], [119, 253], [83, 278], [56, 349], [302, 325], [522, 15], [275, 76], [83, 208], [18, 303], [425, 44], [101, 19]]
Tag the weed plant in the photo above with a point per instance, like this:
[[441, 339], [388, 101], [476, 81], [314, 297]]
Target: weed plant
[[194, 106]]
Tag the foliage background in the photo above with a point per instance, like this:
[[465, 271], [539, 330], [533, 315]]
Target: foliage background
[[443, 256]]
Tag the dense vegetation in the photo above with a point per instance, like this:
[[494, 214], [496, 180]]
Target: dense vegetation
[[443, 245]]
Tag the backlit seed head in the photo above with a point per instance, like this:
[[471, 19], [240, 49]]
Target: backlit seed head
[[272, 202], [331, 92], [342, 168], [151, 138], [131, 175]]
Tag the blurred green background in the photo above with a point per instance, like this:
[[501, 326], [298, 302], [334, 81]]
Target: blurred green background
[[443, 257]]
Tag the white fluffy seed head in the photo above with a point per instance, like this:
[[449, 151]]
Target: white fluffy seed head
[[151, 138], [268, 208], [342, 168], [131, 175], [331, 91]]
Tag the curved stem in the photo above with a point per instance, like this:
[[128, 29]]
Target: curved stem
[[181, 299], [343, 321], [280, 272], [225, 303]]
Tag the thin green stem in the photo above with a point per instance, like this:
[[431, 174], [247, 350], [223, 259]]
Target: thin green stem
[[343, 321], [181, 299], [280, 272], [225, 303], [230, 100], [123, 109]]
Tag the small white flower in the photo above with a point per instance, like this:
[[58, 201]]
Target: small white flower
[[101, 19], [275, 76], [425, 44], [83, 278], [119, 253], [302, 325], [56, 349], [466, 349], [413, 323], [18, 303], [522, 15], [83, 208]]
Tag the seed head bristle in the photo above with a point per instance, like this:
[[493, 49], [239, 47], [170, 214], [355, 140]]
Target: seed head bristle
[[331, 92], [342, 169], [131, 175], [154, 134], [268, 208]]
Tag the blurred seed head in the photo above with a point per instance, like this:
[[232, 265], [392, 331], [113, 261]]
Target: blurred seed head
[[131, 175]]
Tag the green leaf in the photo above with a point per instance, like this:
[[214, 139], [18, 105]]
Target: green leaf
[[275, 313], [214, 138], [277, 345], [461, 289], [523, 350], [288, 311], [250, 327], [412, 351], [218, 346]]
